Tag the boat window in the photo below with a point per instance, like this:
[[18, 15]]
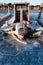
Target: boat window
[[18, 8], [24, 7]]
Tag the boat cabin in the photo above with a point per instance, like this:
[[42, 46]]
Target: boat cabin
[[21, 11]]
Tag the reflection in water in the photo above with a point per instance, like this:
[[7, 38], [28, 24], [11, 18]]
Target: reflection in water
[[12, 52]]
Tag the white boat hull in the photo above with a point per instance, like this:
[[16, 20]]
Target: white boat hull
[[18, 40]]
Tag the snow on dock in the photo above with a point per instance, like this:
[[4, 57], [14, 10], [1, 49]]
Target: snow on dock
[[4, 16]]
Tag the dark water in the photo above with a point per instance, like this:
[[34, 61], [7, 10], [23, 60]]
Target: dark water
[[14, 53]]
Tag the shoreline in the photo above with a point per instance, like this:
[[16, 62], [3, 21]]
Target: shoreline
[[30, 8], [11, 6]]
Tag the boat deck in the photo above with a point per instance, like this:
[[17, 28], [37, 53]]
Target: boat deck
[[4, 16]]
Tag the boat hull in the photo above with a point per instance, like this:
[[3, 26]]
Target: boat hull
[[34, 33]]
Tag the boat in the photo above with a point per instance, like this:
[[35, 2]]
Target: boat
[[39, 17], [21, 34], [19, 29]]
